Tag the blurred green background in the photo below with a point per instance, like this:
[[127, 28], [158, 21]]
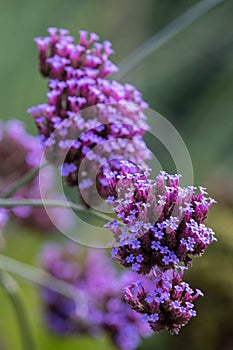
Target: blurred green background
[[189, 80]]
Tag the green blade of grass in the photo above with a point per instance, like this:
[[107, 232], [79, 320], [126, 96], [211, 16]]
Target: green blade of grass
[[164, 35]]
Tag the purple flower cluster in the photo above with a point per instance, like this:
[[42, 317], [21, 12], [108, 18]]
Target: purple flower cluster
[[87, 117], [163, 223], [93, 129], [19, 154], [161, 228], [103, 309], [168, 306]]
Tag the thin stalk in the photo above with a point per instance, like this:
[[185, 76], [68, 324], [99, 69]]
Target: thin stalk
[[164, 35], [22, 181], [9, 203], [12, 290], [41, 278]]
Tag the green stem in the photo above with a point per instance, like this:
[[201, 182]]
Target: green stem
[[41, 278], [164, 35], [12, 290], [9, 203], [22, 181]]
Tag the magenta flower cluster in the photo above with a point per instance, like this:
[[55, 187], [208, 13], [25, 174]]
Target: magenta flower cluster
[[103, 311], [168, 306], [161, 228], [163, 223], [20, 153], [93, 129], [87, 116]]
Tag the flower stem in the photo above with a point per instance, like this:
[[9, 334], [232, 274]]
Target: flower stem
[[41, 278], [164, 35], [22, 181], [12, 290], [9, 203]]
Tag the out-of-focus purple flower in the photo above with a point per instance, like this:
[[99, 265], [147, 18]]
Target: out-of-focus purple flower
[[163, 223], [169, 305], [3, 218], [87, 116], [19, 154], [105, 310], [3, 222]]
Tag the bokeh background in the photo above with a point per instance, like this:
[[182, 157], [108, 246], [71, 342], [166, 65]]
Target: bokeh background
[[189, 80]]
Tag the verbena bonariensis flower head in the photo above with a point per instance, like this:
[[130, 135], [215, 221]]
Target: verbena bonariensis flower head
[[168, 306], [163, 223], [19, 154], [87, 116], [104, 310]]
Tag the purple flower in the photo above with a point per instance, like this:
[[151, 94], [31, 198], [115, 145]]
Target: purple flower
[[20, 153], [3, 222], [155, 245], [114, 252], [103, 310], [166, 260], [165, 235], [165, 307], [136, 267], [136, 244], [145, 318], [139, 258], [104, 117], [154, 318], [3, 218], [130, 258], [67, 169]]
